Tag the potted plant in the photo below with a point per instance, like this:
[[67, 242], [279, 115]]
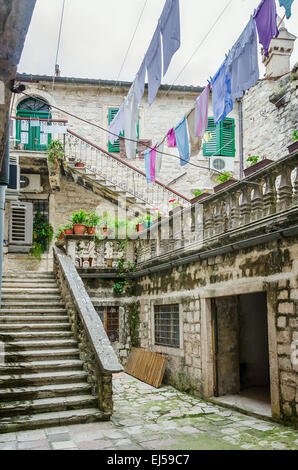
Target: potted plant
[[141, 221], [68, 229], [78, 220], [79, 164], [103, 223], [59, 234], [92, 222], [176, 206], [225, 180], [294, 146], [42, 235], [255, 164], [55, 153], [199, 195]]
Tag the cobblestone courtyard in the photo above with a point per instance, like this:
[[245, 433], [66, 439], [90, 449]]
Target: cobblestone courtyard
[[165, 419]]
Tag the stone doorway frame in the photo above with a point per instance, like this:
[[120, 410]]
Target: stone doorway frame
[[250, 287]]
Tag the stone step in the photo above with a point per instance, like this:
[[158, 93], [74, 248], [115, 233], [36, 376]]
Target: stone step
[[29, 285], [41, 355], [28, 274], [56, 404], [49, 319], [43, 391], [32, 326], [41, 366], [27, 279], [30, 297], [30, 304], [40, 420], [42, 378], [30, 290], [34, 335], [43, 344], [31, 311]]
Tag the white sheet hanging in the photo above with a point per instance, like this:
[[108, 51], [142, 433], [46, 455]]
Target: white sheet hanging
[[131, 116]]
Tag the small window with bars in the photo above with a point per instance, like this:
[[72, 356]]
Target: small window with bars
[[110, 320], [166, 325], [223, 138]]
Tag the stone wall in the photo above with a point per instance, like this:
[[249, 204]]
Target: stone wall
[[268, 127], [271, 268]]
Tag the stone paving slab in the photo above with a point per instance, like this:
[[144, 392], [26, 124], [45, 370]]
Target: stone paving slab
[[164, 419]]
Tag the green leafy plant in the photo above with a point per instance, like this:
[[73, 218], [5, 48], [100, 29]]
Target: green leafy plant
[[92, 219], [224, 177], [252, 159], [198, 192], [295, 136], [79, 217], [68, 227], [42, 235], [55, 152], [118, 287]]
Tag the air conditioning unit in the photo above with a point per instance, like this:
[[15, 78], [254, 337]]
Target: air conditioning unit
[[222, 164], [30, 183], [14, 175]]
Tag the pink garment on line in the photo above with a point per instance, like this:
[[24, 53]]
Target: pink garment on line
[[152, 163], [171, 138], [201, 112]]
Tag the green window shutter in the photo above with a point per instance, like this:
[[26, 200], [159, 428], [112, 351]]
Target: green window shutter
[[213, 146], [116, 146], [227, 137]]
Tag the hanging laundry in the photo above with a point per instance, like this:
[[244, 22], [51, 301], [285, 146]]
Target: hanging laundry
[[182, 141], [117, 125], [152, 163], [153, 64], [169, 22], [265, 18], [147, 161], [201, 112], [221, 93], [287, 4], [171, 138], [141, 81], [159, 155], [242, 64], [195, 142], [131, 116]]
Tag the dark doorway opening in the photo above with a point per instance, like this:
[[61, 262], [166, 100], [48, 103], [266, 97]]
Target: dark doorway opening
[[241, 354]]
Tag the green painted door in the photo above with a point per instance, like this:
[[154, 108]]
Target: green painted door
[[33, 136]]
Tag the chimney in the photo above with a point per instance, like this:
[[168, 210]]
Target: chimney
[[280, 51]]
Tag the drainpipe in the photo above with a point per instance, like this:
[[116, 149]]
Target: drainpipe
[[4, 180], [240, 139]]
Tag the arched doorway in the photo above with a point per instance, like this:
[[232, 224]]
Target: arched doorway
[[30, 132]]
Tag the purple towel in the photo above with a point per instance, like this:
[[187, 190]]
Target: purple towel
[[265, 18]]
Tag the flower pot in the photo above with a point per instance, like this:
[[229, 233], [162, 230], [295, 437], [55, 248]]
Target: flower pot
[[61, 236], [90, 262], [109, 262], [198, 198], [80, 165], [257, 166], [68, 231], [224, 185], [91, 230], [105, 231], [140, 227], [293, 146], [79, 229]]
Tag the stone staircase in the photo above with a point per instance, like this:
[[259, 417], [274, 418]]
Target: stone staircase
[[42, 382]]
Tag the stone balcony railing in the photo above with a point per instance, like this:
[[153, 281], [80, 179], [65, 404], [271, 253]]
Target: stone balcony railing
[[88, 253], [265, 201]]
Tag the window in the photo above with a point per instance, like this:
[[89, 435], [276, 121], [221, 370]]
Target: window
[[40, 209], [166, 325], [223, 138], [110, 320], [115, 147]]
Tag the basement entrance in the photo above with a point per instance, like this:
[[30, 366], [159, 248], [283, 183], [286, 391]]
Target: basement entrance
[[241, 355]]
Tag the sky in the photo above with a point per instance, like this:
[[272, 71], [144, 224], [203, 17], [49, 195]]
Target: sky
[[96, 35]]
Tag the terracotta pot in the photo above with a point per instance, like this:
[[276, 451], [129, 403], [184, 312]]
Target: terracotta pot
[[224, 185], [91, 230], [257, 166], [68, 231], [293, 146], [140, 227], [109, 262], [90, 262], [61, 236], [80, 165], [198, 198], [79, 229], [105, 230]]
